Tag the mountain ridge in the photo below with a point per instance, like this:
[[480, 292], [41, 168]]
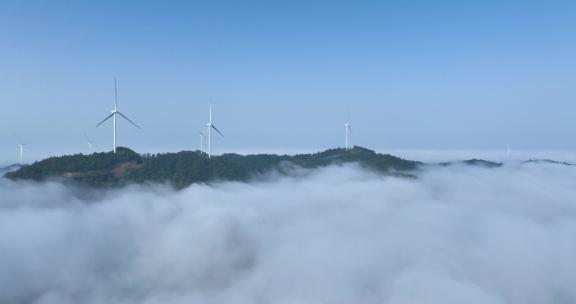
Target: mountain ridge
[[181, 169], [184, 168]]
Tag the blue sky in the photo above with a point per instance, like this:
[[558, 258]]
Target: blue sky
[[282, 74]]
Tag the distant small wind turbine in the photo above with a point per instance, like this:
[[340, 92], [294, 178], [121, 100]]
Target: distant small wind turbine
[[348, 131], [113, 115], [88, 141], [21, 145], [508, 152], [201, 142], [211, 126]]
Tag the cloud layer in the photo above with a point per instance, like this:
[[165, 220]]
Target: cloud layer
[[340, 235]]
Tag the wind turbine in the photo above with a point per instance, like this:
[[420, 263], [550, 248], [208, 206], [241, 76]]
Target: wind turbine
[[508, 152], [89, 142], [115, 113], [201, 142], [348, 131], [210, 126], [21, 144]]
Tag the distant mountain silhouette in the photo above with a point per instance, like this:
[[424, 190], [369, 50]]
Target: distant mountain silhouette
[[548, 161], [474, 162]]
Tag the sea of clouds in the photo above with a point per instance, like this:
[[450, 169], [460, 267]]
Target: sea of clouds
[[456, 234]]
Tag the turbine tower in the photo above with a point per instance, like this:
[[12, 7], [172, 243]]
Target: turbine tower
[[201, 142], [21, 145], [115, 113], [210, 126], [348, 131]]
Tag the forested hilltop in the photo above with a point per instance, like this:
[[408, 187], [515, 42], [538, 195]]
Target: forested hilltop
[[188, 167]]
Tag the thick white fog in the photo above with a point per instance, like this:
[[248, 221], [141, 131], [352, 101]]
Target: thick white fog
[[340, 235]]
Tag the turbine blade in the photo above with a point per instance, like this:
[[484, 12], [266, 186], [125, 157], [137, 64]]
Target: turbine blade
[[349, 129], [105, 119], [115, 94], [18, 139], [213, 127], [128, 119], [210, 110]]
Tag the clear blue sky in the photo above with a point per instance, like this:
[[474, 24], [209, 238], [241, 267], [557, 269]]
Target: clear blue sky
[[415, 74]]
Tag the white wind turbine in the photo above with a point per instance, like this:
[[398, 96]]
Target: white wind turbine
[[201, 142], [348, 131], [21, 145], [113, 115], [210, 126], [89, 142]]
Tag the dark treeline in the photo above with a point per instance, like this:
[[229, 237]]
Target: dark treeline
[[97, 169]]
